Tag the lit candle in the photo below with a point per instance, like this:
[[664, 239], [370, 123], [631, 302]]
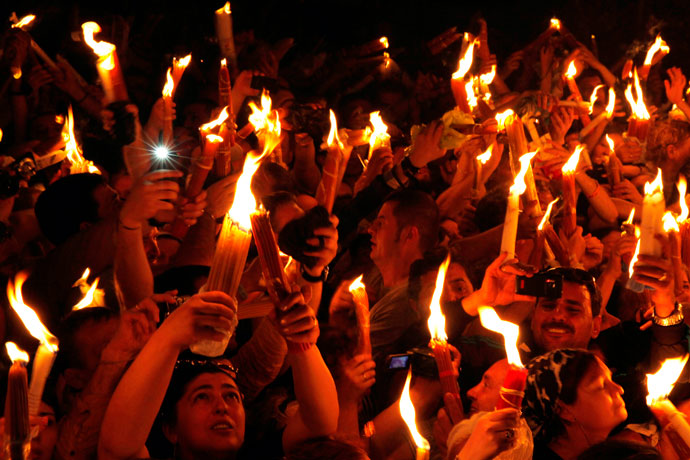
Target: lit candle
[[266, 123], [638, 123], [518, 147], [659, 46], [653, 208], [513, 388], [673, 231], [540, 246], [379, 137], [439, 340], [513, 210], [25, 24], [482, 159], [359, 294], [17, 426], [683, 221], [224, 84], [226, 39], [569, 193], [407, 412], [606, 115], [78, 164], [457, 81], [107, 64], [328, 186], [92, 296], [613, 165], [570, 75], [179, 66], [47, 349], [167, 108], [659, 386]]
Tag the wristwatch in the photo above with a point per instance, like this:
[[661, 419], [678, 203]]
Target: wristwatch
[[314, 279], [676, 317]]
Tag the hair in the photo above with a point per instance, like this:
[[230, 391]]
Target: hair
[[662, 135], [417, 209], [583, 278], [271, 178], [66, 204], [613, 449], [69, 355], [491, 208], [333, 449]]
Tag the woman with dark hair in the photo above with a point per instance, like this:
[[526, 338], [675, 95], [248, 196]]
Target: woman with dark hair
[[570, 403]]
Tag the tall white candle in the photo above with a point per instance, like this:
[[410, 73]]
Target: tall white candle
[[653, 208], [513, 209], [43, 362]]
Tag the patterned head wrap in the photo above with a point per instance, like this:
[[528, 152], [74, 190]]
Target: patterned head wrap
[[548, 374]]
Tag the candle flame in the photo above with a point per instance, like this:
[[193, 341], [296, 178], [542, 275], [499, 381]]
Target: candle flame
[[547, 214], [660, 385], [486, 156], [214, 139], [610, 142], [510, 332], [380, 133], [224, 62], [28, 316], [357, 284], [612, 103], [637, 105], [244, 203], [408, 414], [169, 84], [502, 117], [471, 98], [556, 23], [630, 217], [670, 224], [488, 78], [519, 185], [656, 186], [658, 45], [635, 254], [16, 354], [437, 321], [682, 186], [333, 133], [183, 62], [593, 98], [91, 291], [217, 122], [23, 22], [266, 122], [79, 164], [384, 42], [102, 49], [571, 165], [465, 61], [572, 70], [224, 9]]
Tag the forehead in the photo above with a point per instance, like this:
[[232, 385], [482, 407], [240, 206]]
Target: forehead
[[213, 379]]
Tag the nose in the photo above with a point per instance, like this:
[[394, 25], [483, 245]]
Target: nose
[[615, 388], [221, 406], [472, 392]]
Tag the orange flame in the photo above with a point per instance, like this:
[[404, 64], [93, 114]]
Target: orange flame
[[488, 78], [183, 62], [659, 385], [657, 186], [630, 217], [103, 50], [572, 70], [266, 121], [205, 128], [471, 98], [465, 61], [486, 156], [244, 203], [91, 294], [333, 133], [612, 103], [169, 84], [384, 42], [610, 142], [502, 117], [547, 214], [212, 138], [571, 165], [593, 98], [637, 105], [658, 45], [682, 186], [437, 322], [78, 162], [555, 23], [357, 284], [16, 354], [28, 316], [510, 332], [224, 9], [380, 134], [519, 185], [23, 22], [408, 415], [635, 254], [670, 224]]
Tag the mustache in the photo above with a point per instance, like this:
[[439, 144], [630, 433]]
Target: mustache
[[568, 327]]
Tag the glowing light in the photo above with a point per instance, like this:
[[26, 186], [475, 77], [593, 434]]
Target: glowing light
[[79, 164], [637, 105], [437, 322], [471, 98], [502, 117], [593, 98], [357, 284], [333, 133], [28, 316], [669, 222], [380, 134], [658, 45], [408, 415], [610, 142], [629, 221], [384, 42], [519, 185], [183, 62], [656, 186], [16, 354], [244, 202], [572, 70], [488, 78], [635, 254], [571, 165], [660, 384], [682, 186], [161, 152], [510, 332], [556, 23], [486, 156], [102, 49], [23, 22], [217, 122], [169, 84], [224, 9], [465, 61], [91, 294], [547, 215]]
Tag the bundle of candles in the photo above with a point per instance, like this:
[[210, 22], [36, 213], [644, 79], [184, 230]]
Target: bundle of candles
[[78, 164], [333, 164], [458, 85], [513, 209], [550, 245], [408, 414], [17, 428], [638, 123], [359, 294], [517, 141]]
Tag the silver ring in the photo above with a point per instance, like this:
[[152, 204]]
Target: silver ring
[[509, 435], [663, 278]]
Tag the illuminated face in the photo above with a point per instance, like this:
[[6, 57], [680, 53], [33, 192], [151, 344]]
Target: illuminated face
[[384, 235], [484, 396], [210, 417], [599, 407], [457, 285], [565, 322]]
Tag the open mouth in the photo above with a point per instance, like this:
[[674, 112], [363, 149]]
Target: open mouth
[[222, 427]]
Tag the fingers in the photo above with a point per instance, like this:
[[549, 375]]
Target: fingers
[[163, 174], [219, 298], [453, 408]]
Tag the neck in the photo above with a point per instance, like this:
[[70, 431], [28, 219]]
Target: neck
[[186, 454], [576, 441], [395, 270]]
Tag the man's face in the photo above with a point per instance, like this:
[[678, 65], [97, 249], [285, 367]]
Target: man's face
[[384, 234], [565, 322], [210, 416], [457, 284], [484, 396]]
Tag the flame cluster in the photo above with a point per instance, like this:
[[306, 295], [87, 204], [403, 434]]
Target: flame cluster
[[74, 154], [266, 122], [103, 49], [519, 185], [660, 384], [28, 316], [637, 105]]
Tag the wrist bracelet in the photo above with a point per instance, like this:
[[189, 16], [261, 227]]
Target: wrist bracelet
[[298, 347], [313, 279], [676, 317], [595, 192]]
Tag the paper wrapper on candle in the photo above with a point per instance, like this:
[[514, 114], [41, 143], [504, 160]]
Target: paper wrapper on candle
[[560, 252], [536, 258], [43, 362], [17, 426], [362, 313], [569, 221], [674, 424], [112, 82], [513, 389], [226, 271], [638, 128], [510, 225], [653, 208], [226, 39], [328, 186], [444, 363]]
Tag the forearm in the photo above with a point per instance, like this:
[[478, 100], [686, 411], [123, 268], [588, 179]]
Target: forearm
[[137, 400], [390, 432], [605, 283], [685, 108], [348, 421], [132, 270], [598, 198], [606, 75], [307, 174]]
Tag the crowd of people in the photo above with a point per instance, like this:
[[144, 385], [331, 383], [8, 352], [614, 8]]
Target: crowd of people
[[295, 381]]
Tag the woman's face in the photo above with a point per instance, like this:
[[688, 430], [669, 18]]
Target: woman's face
[[599, 407], [210, 416]]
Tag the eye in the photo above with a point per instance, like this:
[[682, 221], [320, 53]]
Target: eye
[[548, 306], [233, 396], [201, 396]]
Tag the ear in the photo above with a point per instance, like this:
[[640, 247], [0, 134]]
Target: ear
[[671, 151], [170, 433], [596, 326], [563, 412], [410, 233]]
